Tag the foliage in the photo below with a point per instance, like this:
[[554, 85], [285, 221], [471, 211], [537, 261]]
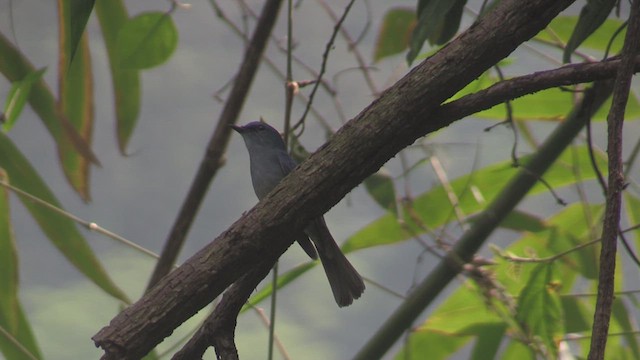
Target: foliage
[[525, 304]]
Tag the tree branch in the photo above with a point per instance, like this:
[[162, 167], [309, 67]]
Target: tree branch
[[218, 330], [485, 223], [212, 160], [611, 223], [395, 120]]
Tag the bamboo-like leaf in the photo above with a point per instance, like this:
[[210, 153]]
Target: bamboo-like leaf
[[17, 98], [75, 89], [73, 17], [126, 82], [380, 186], [12, 319], [60, 230], [14, 66], [438, 20], [592, 15], [147, 40], [395, 32], [562, 27]]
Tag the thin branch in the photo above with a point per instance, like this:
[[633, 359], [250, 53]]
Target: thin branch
[[89, 225], [611, 225], [323, 67], [213, 158]]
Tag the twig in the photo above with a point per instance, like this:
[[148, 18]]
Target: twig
[[89, 225], [611, 225], [323, 67], [212, 160]]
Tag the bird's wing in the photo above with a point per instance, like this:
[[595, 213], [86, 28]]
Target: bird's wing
[[286, 162], [286, 165]]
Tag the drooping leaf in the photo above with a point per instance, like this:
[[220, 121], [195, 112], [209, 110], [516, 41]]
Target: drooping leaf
[[146, 41], [12, 318], [73, 16], [60, 230], [380, 186], [562, 27], [438, 21], [592, 15], [539, 309], [17, 98], [395, 32], [14, 66], [75, 91], [112, 15]]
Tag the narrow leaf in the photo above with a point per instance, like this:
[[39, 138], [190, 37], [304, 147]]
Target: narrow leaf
[[18, 342], [282, 281], [60, 230], [17, 98], [73, 16], [75, 88], [380, 187], [14, 66], [126, 82], [592, 15], [147, 40], [395, 32]]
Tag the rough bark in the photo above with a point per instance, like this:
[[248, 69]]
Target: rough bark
[[395, 120]]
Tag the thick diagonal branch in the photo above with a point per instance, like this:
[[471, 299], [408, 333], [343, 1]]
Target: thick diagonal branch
[[395, 120]]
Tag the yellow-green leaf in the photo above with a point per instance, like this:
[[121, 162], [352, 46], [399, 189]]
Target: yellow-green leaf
[[126, 82], [147, 40], [75, 89], [60, 230], [395, 32], [17, 340], [17, 98]]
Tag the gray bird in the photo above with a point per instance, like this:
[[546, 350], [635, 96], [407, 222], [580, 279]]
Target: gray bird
[[270, 163]]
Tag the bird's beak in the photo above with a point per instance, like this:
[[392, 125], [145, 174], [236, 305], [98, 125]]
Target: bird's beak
[[238, 129]]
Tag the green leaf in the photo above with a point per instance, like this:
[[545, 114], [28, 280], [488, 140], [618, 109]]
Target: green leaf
[[283, 280], [539, 309], [12, 318], [521, 221], [431, 345], [488, 343], [15, 67], [17, 98], [60, 230], [438, 21], [577, 317], [592, 15], [112, 15], [380, 187], [21, 345], [146, 41], [626, 320], [395, 32], [518, 350], [562, 27], [553, 104], [75, 89], [73, 17], [632, 205], [487, 181]]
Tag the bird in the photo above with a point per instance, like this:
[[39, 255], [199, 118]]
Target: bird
[[269, 164]]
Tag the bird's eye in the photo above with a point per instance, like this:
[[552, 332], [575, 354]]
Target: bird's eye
[[261, 127]]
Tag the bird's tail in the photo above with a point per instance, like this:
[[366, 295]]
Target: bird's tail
[[346, 284]]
